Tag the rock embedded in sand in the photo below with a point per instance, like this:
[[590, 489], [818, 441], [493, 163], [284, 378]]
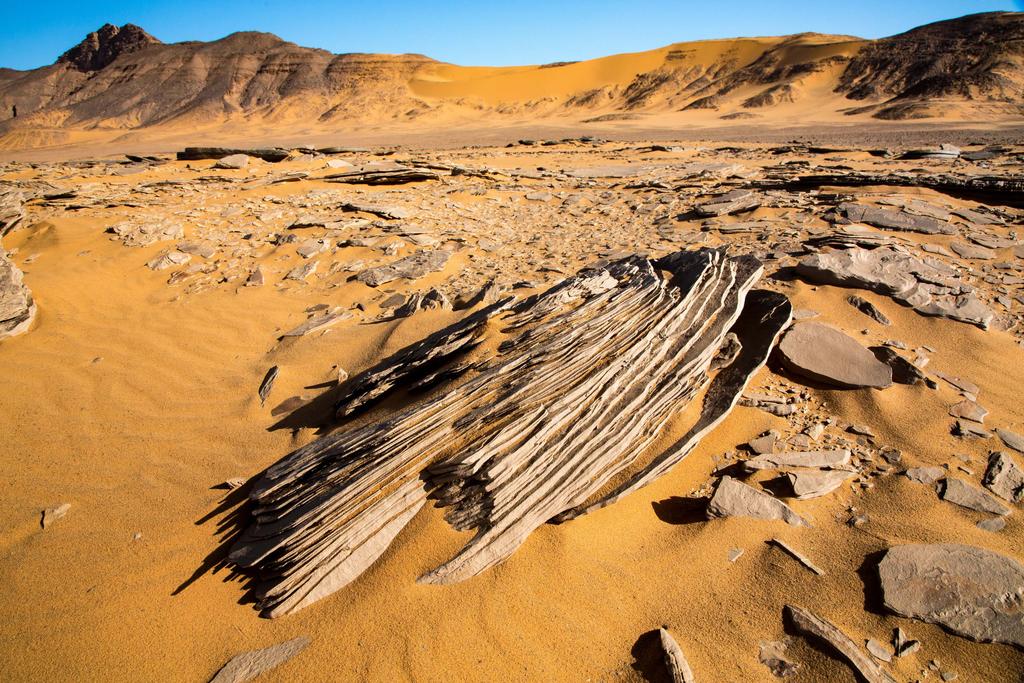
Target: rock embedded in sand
[[432, 299], [169, 259], [613, 334], [824, 354], [51, 515], [772, 655], [895, 220], [823, 459], [17, 307], [1011, 439], [233, 162], [868, 309], [810, 624], [797, 555], [961, 493], [929, 286], [734, 201], [968, 410], [733, 498], [925, 475], [969, 591], [411, 267], [199, 153], [1004, 477], [249, 665], [806, 485], [388, 212], [675, 661], [392, 175], [267, 384], [319, 322]]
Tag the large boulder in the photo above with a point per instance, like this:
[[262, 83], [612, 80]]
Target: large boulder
[[969, 591], [824, 354]]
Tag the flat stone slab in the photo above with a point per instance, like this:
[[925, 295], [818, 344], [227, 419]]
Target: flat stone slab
[[810, 484], [961, 493], [969, 591], [411, 267], [889, 219], [823, 459], [925, 475], [735, 499], [824, 354], [249, 665]]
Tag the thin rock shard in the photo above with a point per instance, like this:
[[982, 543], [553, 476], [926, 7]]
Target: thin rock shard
[[675, 661], [808, 623], [541, 425], [249, 665]]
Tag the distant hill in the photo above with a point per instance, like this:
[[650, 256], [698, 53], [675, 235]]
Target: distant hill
[[122, 78]]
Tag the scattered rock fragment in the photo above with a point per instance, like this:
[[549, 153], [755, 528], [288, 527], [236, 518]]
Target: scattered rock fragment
[[798, 556], [772, 655], [734, 201], [810, 624], [300, 272], [961, 493], [878, 651], [993, 524], [17, 307], [896, 220], [233, 162], [675, 661], [432, 299], [868, 309], [1011, 439], [51, 515], [929, 286], [411, 267], [969, 591], [169, 260], [902, 645], [968, 410], [808, 485], [249, 665], [267, 384], [765, 443], [318, 322], [925, 475], [1004, 477], [255, 278], [822, 459], [733, 498], [824, 354]]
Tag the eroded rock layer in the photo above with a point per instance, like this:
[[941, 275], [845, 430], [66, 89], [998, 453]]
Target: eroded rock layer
[[587, 376]]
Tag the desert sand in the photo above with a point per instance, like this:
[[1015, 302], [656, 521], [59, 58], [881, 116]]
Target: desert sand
[[133, 394]]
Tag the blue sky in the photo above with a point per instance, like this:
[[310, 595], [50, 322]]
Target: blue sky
[[473, 33]]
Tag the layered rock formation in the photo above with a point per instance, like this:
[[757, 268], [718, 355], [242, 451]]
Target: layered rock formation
[[588, 374]]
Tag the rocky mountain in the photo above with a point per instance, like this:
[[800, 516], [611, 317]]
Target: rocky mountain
[[123, 78], [102, 47]]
